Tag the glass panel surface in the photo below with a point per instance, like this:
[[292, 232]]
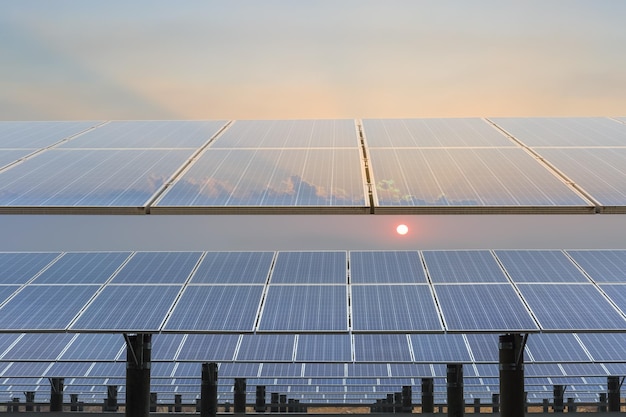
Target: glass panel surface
[[38, 347], [95, 347], [540, 266], [208, 347], [157, 268], [324, 348], [9, 156], [471, 266], [324, 370], [233, 268], [37, 135], [83, 268], [605, 347], [380, 267], [557, 347], [448, 348], [381, 348], [310, 268], [617, 294], [602, 265], [266, 347], [18, 268]]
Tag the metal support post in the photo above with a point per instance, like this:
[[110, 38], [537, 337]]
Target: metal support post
[[511, 358], [428, 395], [559, 390], [240, 396], [178, 403], [208, 390], [259, 404], [30, 400], [56, 394], [407, 399], [138, 363], [613, 385], [456, 404]]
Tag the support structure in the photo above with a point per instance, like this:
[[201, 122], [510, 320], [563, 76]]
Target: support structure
[[56, 394], [511, 358], [138, 363], [110, 402], [239, 406], [559, 390], [613, 387], [428, 395], [407, 399], [259, 404], [456, 402], [30, 400], [208, 390]]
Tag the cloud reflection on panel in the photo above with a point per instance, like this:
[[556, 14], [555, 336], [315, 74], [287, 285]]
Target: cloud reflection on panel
[[287, 177]]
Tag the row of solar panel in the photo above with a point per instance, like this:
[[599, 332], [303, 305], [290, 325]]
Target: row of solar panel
[[462, 162], [465, 291], [335, 349]]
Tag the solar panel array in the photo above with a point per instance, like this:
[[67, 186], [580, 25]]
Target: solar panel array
[[502, 165]]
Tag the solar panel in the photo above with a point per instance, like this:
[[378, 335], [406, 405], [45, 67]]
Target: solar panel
[[25, 369], [604, 347], [267, 347], [381, 348], [599, 171], [238, 370], [233, 268], [310, 268], [89, 178], [557, 347], [360, 370], [499, 177], [128, 308], [38, 347], [571, 307], [324, 348], [615, 292], [37, 135], [216, 308], [6, 291], [564, 131], [431, 348], [289, 134], [414, 370], [8, 157], [108, 370], [316, 370], [463, 267], [208, 347], [483, 307], [165, 346], [68, 370], [378, 267], [83, 268], [394, 308], [158, 268], [425, 133], [45, 307], [95, 347], [540, 266], [305, 308], [148, 134], [602, 265], [18, 268], [281, 370], [269, 178]]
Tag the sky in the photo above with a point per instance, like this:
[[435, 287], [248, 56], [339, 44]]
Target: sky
[[285, 59]]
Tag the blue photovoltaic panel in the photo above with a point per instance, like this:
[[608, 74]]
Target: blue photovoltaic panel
[[289, 134], [431, 348], [158, 268], [216, 308], [238, 370], [471, 266], [381, 348], [305, 308], [233, 268], [36, 135], [108, 370], [616, 292], [605, 347], [38, 347], [68, 370], [602, 265], [88, 178], [486, 307], [6, 340], [466, 177], [266, 347], [310, 268], [324, 370], [281, 370], [540, 266], [380, 267], [6, 291], [83, 268], [268, 178], [543, 370], [95, 347], [161, 370], [18, 268], [128, 308], [26, 369], [564, 131], [372, 370], [571, 307], [557, 347], [148, 134], [165, 346], [428, 133], [324, 348], [9, 156], [584, 369], [208, 347], [598, 171], [394, 308], [45, 307], [416, 370]]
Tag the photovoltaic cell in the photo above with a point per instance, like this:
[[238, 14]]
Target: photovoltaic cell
[[108, 370], [324, 370], [38, 347], [26, 369], [310, 268], [463, 267], [68, 370], [284, 370], [165, 346], [305, 308], [233, 268], [289, 134], [374, 370], [571, 307], [555, 347], [216, 308], [238, 370], [148, 134], [89, 178], [18, 268], [324, 348], [413, 370], [394, 308], [268, 178], [616, 292], [83, 268], [6, 291], [540, 266], [45, 307], [466, 177], [486, 307], [158, 268], [431, 348], [604, 347], [128, 308], [208, 347], [37, 135], [381, 348], [379, 267], [95, 347], [10, 156], [602, 265], [424, 133], [267, 347]]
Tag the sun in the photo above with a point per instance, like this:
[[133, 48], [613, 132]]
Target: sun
[[402, 229]]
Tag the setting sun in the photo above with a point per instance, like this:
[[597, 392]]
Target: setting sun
[[402, 229]]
